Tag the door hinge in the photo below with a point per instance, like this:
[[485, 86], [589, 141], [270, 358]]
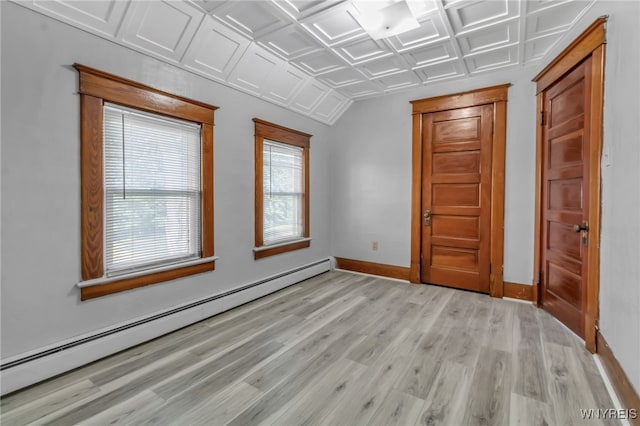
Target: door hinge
[[490, 268], [542, 118], [539, 278]]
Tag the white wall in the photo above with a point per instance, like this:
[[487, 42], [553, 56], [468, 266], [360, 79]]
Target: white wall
[[41, 184], [620, 244], [620, 238], [369, 154], [371, 177], [371, 174]]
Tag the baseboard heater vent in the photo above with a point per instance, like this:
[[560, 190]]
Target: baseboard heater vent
[[280, 281]]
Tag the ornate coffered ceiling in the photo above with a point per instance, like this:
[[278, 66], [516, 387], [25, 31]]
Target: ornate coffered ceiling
[[312, 56]]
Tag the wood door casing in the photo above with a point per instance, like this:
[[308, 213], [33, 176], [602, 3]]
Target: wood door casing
[[565, 202], [456, 190]]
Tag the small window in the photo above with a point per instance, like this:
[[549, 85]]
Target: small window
[[147, 185], [282, 199]]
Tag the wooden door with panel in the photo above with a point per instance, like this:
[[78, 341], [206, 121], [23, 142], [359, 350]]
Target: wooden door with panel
[[565, 197], [456, 197]]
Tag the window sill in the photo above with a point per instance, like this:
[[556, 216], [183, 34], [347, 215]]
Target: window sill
[[103, 286], [273, 249]]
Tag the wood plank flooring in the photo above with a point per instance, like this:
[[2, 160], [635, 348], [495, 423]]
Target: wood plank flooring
[[337, 349]]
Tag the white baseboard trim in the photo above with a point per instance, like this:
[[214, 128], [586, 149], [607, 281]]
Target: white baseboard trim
[[46, 362], [612, 393]]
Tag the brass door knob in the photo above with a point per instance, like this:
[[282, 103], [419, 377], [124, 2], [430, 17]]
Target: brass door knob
[[427, 217], [583, 227]]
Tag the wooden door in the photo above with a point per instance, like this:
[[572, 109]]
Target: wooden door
[[565, 193], [456, 197]]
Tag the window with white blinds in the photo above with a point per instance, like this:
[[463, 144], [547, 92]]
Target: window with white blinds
[[152, 189], [283, 186]]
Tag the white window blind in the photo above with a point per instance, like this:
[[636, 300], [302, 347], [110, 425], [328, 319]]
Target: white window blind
[[152, 190], [283, 192]]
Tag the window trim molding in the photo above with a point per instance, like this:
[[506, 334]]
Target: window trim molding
[[266, 130], [95, 88]]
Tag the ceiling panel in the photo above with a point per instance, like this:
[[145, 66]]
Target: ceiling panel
[[431, 30], [490, 37], [363, 50], [469, 15], [334, 25], [493, 59], [209, 5], [215, 50], [554, 19], [299, 9], [421, 8], [289, 42], [534, 5], [164, 28], [399, 80], [100, 16], [342, 77], [312, 56], [446, 3], [361, 90], [536, 48], [329, 106], [440, 71], [309, 96], [430, 54], [382, 67], [254, 69], [319, 62], [251, 18], [283, 84]]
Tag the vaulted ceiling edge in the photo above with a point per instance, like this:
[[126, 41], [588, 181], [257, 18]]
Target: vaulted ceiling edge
[[314, 57]]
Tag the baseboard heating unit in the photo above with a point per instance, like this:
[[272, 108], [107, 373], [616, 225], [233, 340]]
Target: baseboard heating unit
[[29, 368]]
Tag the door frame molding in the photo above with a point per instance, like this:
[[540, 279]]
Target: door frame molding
[[496, 95], [590, 43]]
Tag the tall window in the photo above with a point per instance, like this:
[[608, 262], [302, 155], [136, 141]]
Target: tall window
[[147, 185], [152, 190], [282, 201], [283, 192]]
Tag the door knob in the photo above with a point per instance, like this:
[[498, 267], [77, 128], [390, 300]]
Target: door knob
[[583, 227], [427, 217]]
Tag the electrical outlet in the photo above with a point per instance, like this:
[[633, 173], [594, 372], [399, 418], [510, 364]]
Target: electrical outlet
[[374, 246]]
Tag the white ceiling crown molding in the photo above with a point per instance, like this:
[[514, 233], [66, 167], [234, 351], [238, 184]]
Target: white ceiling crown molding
[[316, 57]]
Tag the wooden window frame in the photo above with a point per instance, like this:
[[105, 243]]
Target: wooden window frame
[[497, 96], [95, 88], [266, 130]]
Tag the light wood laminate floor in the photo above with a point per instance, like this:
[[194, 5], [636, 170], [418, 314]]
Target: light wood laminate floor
[[337, 349]]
